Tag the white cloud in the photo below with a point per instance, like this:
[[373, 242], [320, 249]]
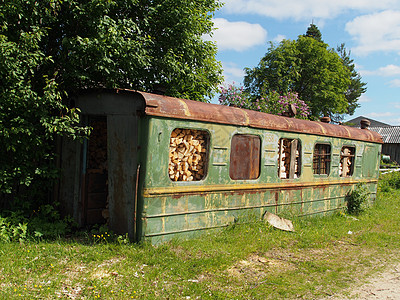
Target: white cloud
[[305, 9], [366, 72], [364, 99], [386, 117], [394, 121], [380, 115], [238, 36], [376, 32], [389, 70], [395, 83], [279, 38], [232, 72]]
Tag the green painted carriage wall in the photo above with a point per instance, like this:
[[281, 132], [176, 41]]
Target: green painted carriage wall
[[168, 209]]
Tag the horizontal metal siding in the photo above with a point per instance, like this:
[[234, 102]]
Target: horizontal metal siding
[[166, 215], [187, 208]]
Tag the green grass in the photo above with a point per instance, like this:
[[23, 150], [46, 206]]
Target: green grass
[[322, 257]]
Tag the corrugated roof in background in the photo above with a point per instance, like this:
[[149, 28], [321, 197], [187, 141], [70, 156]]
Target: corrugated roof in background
[[390, 135]]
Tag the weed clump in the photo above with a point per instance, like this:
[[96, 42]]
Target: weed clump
[[43, 223], [389, 181], [357, 199]]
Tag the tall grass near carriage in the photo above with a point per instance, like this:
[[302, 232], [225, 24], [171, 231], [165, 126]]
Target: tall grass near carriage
[[389, 182], [253, 260]]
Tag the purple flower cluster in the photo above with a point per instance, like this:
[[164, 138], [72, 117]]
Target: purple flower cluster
[[233, 96], [273, 103], [293, 98]]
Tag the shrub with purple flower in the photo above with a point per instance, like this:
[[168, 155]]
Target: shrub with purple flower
[[272, 103], [234, 96], [279, 104]]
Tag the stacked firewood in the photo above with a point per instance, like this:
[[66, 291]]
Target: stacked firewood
[[345, 162], [285, 158], [187, 155], [296, 165]]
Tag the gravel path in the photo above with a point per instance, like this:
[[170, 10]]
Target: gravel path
[[385, 286]]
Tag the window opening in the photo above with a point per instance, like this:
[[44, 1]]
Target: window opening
[[289, 158], [188, 150], [322, 159], [245, 157], [346, 166]]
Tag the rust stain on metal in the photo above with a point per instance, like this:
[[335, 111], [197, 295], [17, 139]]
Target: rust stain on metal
[[245, 146], [322, 127], [247, 117], [186, 110], [178, 196]]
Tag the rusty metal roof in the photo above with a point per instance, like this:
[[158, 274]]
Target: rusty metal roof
[[157, 105], [390, 135], [164, 106]]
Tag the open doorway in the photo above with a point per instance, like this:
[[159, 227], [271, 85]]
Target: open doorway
[[95, 189]]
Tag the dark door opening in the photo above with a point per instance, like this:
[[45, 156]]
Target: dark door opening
[[96, 175]]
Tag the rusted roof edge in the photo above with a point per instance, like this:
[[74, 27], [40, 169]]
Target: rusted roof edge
[[169, 107], [371, 138]]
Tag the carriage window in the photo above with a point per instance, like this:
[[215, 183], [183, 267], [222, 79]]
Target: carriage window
[[188, 150], [322, 159], [346, 166], [289, 158], [245, 157]]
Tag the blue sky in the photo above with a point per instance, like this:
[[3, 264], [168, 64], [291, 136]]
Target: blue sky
[[369, 28]]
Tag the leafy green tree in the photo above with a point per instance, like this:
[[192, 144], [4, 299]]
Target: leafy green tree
[[356, 87], [306, 66], [313, 32], [125, 43], [31, 115], [52, 48]]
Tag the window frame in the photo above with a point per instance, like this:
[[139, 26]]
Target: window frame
[[296, 145], [324, 159], [207, 138], [345, 158]]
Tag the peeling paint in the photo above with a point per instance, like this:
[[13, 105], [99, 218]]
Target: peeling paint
[[140, 133]]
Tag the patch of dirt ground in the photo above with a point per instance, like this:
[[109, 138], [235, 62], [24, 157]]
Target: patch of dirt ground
[[384, 285]]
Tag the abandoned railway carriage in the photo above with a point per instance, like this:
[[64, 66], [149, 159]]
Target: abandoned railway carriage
[[156, 167]]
